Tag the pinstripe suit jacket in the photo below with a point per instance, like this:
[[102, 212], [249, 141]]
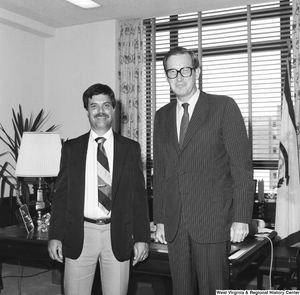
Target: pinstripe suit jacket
[[210, 180]]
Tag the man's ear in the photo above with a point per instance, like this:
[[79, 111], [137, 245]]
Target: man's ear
[[198, 71], [166, 76]]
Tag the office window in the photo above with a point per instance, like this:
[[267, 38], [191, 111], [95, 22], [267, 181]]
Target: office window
[[242, 53]]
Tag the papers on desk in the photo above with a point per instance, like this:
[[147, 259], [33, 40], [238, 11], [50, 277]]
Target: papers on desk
[[264, 230], [158, 247], [240, 251], [233, 249], [249, 243]]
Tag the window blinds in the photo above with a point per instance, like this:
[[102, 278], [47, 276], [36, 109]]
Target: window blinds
[[242, 53]]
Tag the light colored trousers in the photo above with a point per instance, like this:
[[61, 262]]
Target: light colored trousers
[[79, 273]]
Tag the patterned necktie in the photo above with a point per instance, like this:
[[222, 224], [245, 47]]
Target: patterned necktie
[[184, 123], [104, 178]]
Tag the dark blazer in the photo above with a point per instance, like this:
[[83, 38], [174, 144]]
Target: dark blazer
[[209, 181], [129, 215]]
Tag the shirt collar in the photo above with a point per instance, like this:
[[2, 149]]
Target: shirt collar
[[192, 101], [107, 135]]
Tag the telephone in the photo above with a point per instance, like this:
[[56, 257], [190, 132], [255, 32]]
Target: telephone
[[257, 226]]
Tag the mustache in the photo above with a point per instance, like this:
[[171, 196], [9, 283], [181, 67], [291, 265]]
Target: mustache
[[101, 115]]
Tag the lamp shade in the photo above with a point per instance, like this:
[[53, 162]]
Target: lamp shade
[[39, 155]]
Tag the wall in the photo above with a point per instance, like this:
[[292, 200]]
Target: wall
[[52, 73], [22, 75], [76, 58]]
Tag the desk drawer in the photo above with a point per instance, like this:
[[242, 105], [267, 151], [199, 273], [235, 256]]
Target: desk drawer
[[24, 251], [284, 257], [156, 264]]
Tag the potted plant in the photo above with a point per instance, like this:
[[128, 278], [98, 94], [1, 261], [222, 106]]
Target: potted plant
[[7, 179]]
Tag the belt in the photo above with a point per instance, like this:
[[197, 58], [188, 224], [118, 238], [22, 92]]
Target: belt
[[99, 221]]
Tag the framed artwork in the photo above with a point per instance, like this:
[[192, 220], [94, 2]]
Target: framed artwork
[[24, 218]]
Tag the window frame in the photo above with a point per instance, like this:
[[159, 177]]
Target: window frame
[[249, 13]]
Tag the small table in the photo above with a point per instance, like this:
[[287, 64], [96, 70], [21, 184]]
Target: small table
[[16, 243]]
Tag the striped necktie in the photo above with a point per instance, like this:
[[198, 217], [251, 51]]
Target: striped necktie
[[184, 123], [104, 178]]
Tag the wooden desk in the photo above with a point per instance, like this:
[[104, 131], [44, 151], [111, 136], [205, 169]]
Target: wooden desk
[[16, 243], [286, 261], [252, 248]]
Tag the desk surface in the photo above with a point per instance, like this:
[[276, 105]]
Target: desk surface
[[243, 255], [250, 245], [16, 233], [34, 246], [15, 242], [239, 250]]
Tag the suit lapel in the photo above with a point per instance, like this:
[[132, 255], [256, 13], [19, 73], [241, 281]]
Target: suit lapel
[[120, 155], [171, 127], [199, 114], [80, 148]]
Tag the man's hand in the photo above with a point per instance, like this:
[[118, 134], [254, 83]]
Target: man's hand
[[55, 250], [238, 232], [141, 251], [160, 233]]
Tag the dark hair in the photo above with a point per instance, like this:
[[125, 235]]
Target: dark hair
[[182, 50], [97, 89]]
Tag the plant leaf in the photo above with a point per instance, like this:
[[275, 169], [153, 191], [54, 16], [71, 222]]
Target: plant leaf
[[53, 128], [38, 121], [20, 125]]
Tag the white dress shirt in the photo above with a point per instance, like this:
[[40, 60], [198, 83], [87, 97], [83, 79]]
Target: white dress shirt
[[91, 208], [179, 112]]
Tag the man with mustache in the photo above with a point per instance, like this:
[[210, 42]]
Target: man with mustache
[[99, 210]]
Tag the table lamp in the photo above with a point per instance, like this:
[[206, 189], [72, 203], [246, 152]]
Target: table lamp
[[39, 156]]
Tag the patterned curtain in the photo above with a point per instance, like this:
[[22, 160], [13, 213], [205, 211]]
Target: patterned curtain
[[130, 73], [296, 63]]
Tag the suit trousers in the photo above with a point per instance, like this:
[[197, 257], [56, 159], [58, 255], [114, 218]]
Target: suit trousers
[[198, 268], [79, 273]]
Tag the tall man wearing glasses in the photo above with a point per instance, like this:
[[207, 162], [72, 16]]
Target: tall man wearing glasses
[[203, 182]]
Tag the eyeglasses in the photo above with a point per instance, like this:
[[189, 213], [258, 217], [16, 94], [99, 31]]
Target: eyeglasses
[[184, 72]]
